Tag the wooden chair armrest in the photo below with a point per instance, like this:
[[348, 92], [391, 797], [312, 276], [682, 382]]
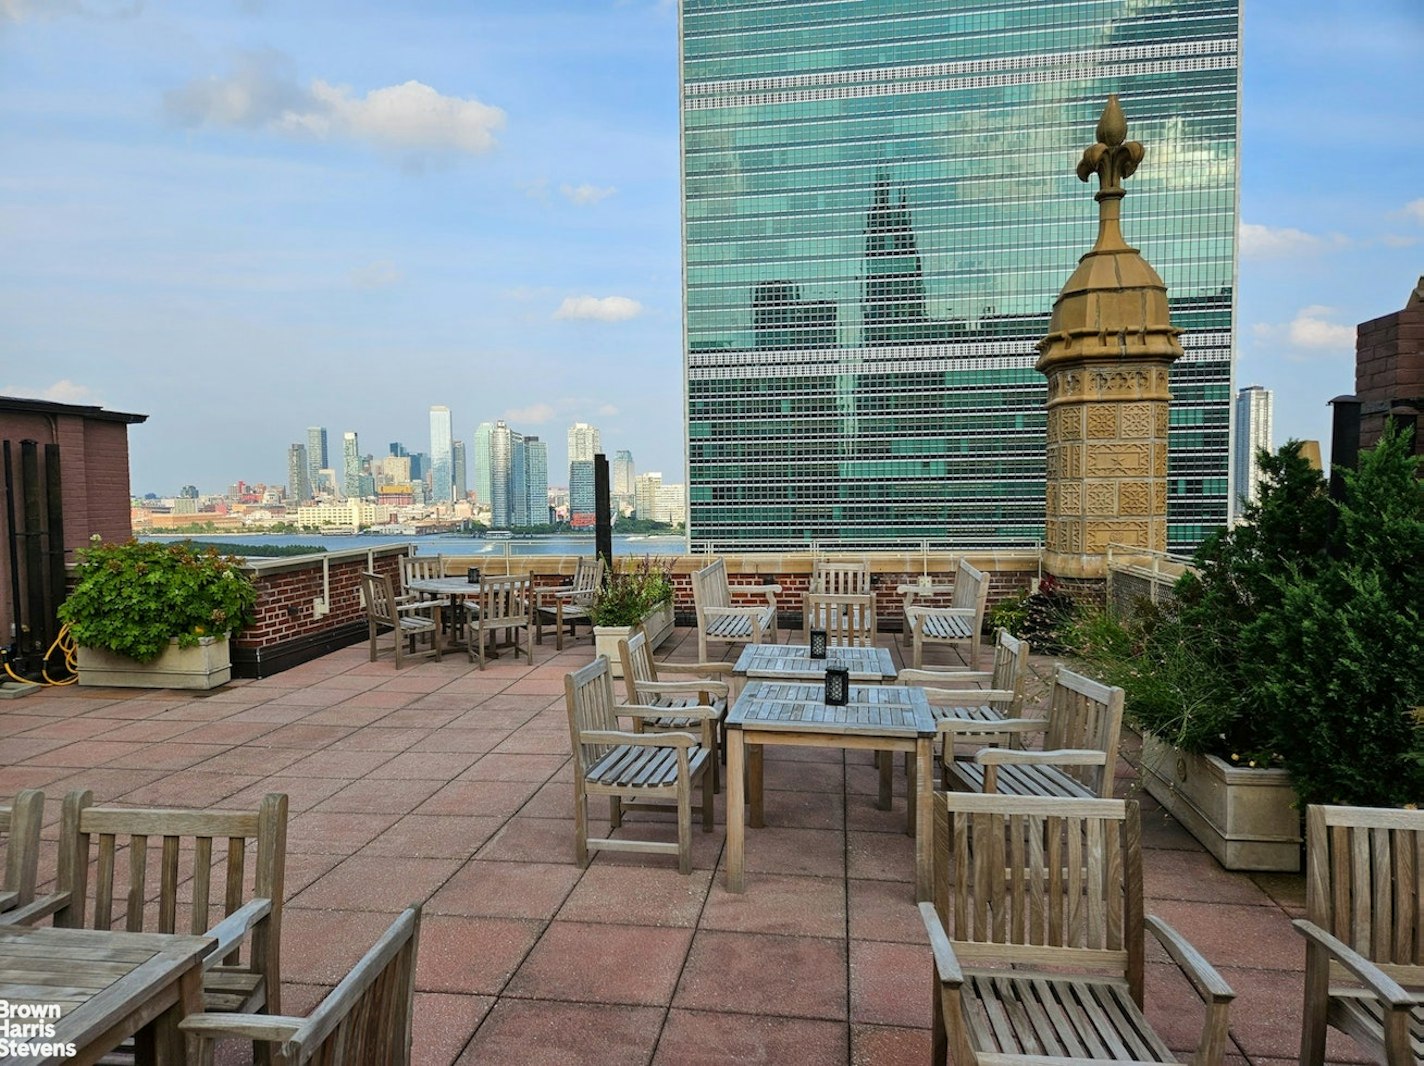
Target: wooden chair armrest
[[1061, 757], [943, 612], [958, 697], [714, 688], [231, 931], [942, 677], [696, 710], [1210, 985], [638, 740], [735, 612], [420, 605], [769, 591], [700, 669], [946, 962], [1367, 973], [273, 1028], [37, 908], [969, 727]]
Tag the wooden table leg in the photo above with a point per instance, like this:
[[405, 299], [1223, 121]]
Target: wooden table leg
[[924, 819], [755, 766], [161, 1042], [886, 761], [911, 792], [736, 811]]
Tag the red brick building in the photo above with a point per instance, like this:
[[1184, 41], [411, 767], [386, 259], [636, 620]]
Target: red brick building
[[83, 453], [1389, 369]]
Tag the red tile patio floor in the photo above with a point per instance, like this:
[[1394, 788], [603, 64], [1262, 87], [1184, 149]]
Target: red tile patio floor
[[447, 785]]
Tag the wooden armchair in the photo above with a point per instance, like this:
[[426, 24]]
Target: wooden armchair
[[834, 578], [646, 687], [504, 604], [1037, 933], [20, 823], [718, 619], [647, 769], [90, 840], [570, 604], [847, 618], [959, 623], [1002, 698], [1079, 756], [409, 621], [365, 1019], [1364, 928]]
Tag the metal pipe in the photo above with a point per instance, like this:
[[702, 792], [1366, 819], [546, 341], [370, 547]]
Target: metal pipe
[[34, 548], [54, 508], [602, 509], [13, 542], [1344, 441]]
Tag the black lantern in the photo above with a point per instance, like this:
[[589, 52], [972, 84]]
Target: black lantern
[[837, 687], [818, 643], [472, 575]]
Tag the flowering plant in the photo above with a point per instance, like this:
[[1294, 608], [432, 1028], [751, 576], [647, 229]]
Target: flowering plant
[[628, 595], [133, 598]]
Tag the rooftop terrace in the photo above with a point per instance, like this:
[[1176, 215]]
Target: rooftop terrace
[[447, 785]]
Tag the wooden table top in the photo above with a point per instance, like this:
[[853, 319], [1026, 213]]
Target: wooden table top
[[873, 710], [95, 977], [445, 586], [794, 662]]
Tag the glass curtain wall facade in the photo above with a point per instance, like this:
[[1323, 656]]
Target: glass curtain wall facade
[[442, 482], [879, 209]]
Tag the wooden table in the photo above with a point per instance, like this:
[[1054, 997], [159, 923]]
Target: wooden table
[[108, 986], [877, 717], [793, 662], [456, 588]]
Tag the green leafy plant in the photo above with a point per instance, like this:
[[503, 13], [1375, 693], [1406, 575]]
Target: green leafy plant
[[1041, 617], [629, 593], [133, 598]]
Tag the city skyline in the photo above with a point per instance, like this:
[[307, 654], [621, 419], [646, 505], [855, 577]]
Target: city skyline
[[230, 220]]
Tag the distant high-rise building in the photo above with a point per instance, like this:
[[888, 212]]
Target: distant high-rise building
[[536, 481], [351, 465], [317, 457], [298, 474], [1253, 432], [398, 449], [582, 499], [419, 466], [672, 504], [482, 486], [880, 209], [621, 473], [506, 453], [584, 441], [645, 495], [459, 471], [442, 481]]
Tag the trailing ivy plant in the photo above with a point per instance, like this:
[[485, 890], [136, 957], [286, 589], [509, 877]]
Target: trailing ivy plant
[[133, 598]]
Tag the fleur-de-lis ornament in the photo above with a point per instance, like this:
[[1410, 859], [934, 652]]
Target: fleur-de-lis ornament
[[1114, 157]]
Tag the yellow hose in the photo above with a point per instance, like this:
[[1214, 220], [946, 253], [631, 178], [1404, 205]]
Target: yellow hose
[[63, 643]]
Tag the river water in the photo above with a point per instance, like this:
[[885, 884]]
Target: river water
[[449, 544]]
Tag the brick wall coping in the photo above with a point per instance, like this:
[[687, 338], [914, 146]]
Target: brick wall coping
[[290, 563]]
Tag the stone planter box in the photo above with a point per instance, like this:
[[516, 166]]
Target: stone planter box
[[658, 625], [206, 666], [1247, 818]]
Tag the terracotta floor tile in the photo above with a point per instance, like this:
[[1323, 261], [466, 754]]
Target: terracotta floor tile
[[303, 793], [377, 883], [700, 1038], [374, 795], [254, 759], [599, 963], [226, 732], [881, 856], [753, 973], [637, 895], [453, 739], [797, 775], [426, 765], [306, 737], [879, 1045], [1195, 875], [807, 852], [60, 752], [1234, 935], [320, 947], [70, 729], [531, 840], [434, 836], [649, 826], [348, 764], [191, 788], [541, 1033], [498, 799], [499, 767], [443, 1026], [889, 983], [381, 737], [172, 755], [506, 890], [778, 903], [348, 714], [471, 955], [107, 785], [884, 910], [332, 832]]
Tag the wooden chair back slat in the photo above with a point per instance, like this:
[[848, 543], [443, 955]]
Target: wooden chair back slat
[[421, 568], [638, 664], [848, 619], [1085, 714], [20, 822], [380, 599], [588, 575], [104, 887], [504, 600], [589, 695], [138, 860], [1010, 669], [710, 587], [830, 578], [1018, 878], [168, 887], [202, 879], [969, 586]]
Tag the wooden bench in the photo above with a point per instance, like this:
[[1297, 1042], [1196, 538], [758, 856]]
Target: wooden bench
[[1364, 928], [959, 623], [1037, 932], [569, 604], [719, 619]]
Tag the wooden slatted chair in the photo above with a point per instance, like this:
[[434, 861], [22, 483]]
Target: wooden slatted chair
[[829, 578], [504, 605], [719, 619], [959, 623], [234, 980], [1037, 933], [409, 622], [645, 685], [570, 604], [419, 568], [1364, 928], [20, 822], [1079, 756], [847, 618], [365, 1019], [1000, 695], [646, 769]]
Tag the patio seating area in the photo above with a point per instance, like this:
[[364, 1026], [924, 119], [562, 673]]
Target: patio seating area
[[450, 786]]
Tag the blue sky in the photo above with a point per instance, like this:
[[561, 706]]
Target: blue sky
[[246, 217]]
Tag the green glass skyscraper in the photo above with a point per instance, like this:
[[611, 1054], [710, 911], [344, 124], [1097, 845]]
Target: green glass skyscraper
[[879, 207]]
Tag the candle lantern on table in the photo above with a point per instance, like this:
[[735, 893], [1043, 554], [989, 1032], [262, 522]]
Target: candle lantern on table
[[818, 643], [837, 687]]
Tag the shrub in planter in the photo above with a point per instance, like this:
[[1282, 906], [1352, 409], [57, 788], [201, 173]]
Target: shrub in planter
[[133, 598], [1040, 617], [629, 593]]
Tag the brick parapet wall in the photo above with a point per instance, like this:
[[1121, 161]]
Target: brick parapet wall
[[1389, 367], [289, 589]]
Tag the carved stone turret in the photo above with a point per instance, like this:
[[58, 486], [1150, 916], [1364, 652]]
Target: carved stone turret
[[1109, 348]]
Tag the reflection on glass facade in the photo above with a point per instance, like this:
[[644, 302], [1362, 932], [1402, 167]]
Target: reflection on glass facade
[[879, 210]]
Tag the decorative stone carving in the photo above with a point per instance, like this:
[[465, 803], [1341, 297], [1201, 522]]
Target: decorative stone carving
[[1102, 421]]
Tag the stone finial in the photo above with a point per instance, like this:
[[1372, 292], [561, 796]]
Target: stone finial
[[1113, 158]]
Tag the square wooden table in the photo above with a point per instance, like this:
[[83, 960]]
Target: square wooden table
[[877, 717], [793, 662], [107, 986]]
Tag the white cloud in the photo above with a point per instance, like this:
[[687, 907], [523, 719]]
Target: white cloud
[[607, 411], [586, 194], [535, 413], [379, 274], [62, 391], [262, 92], [23, 10], [1267, 242], [599, 308], [1310, 332], [1415, 209]]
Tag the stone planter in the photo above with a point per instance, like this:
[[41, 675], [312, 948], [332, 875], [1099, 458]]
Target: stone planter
[[658, 625], [1247, 818], [206, 666]]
